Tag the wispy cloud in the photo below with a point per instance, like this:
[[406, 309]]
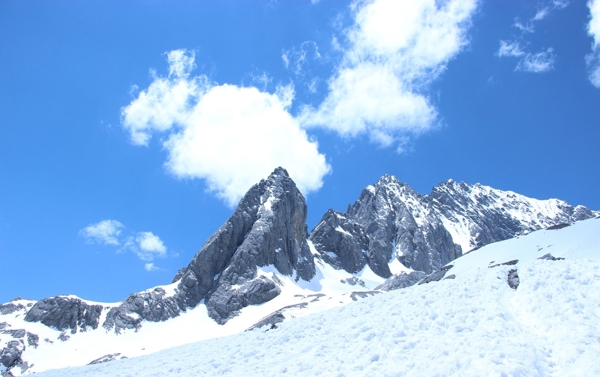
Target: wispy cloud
[[150, 267], [296, 58], [510, 48], [537, 63], [593, 59], [146, 245], [104, 232], [393, 50], [231, 136], [548, 7]]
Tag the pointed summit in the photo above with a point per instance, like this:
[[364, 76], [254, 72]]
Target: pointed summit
[[268, 228]]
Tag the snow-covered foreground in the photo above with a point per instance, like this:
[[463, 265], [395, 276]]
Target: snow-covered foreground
[[472, 325]]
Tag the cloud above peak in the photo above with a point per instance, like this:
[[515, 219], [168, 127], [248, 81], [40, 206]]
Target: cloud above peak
[[231, 136], [391, 53], [593, 59]]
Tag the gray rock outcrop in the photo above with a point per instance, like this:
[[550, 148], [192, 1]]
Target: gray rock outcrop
[[10, 356], [107, 358], [437, 275], [402, 280], [65, 313], [154, 306]]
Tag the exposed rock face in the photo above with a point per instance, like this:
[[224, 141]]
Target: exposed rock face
[[152, 306], [513, 279], [107, 358], [389, 221], [424, 232], [10, 308], [10, 356], [344, 239], [64, 312], [274, 318], [402, 280], [477, 215], [437, 275], [267, 228]]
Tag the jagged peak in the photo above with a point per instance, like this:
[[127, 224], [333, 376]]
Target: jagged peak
[[387, 180], [278, 172]]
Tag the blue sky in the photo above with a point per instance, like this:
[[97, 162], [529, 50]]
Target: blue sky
[[129, 129]]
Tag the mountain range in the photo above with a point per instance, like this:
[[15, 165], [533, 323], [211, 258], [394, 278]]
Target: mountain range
[[263, 267]]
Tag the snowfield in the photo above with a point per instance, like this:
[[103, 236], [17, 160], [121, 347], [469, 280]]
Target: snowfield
[[473, 324]]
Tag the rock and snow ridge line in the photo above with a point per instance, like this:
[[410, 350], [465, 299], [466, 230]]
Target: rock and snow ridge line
[[263, 255], [392, 222], [472, 325]]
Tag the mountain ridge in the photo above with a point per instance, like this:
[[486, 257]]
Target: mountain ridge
[[264, 254]]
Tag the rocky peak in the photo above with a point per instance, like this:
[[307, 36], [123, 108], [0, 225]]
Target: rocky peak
[[477, 215], [267, 228], [424, 232], [394, 223]]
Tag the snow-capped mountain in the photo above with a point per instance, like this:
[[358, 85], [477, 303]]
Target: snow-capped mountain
[[392, 223], [527, 306], [262, 268]]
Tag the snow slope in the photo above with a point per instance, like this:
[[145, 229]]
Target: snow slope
[[471, 325]]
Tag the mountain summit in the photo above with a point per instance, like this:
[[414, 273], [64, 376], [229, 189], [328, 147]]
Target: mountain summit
[[267, 228]]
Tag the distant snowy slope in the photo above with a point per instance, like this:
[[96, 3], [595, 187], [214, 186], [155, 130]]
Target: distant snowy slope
[[469, 324]]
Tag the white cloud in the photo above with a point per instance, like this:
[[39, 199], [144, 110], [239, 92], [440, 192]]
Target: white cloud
[[230, 136], [297, 57], [545, 10], [510, 48], [149, 243], [532, 62], [537, 63], [104, 232], [593, 59], [394, 50], [146, 246]]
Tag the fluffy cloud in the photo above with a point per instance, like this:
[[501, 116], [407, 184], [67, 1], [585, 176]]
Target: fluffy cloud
[[230, 136], [104, 232], [593, 59], [146, 245], [393, 51], [149, 246]]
